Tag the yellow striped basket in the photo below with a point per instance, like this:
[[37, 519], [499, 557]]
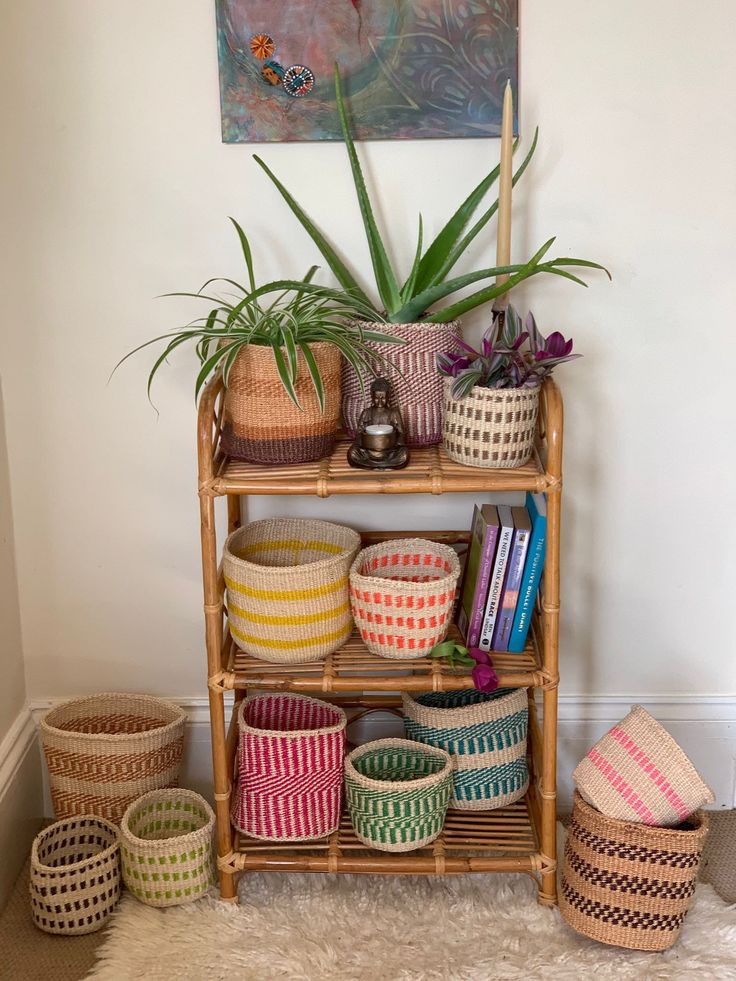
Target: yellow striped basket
[[287, 588]]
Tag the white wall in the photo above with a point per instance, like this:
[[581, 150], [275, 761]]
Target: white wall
[[118, 189]]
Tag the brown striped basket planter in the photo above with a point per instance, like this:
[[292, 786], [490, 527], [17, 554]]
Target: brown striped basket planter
[[492, 427], [103, 751], [260, 422], [629, 884], [417, 387]]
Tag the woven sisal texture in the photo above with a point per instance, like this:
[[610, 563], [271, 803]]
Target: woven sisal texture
[[629, 884], [485, 734], [637, 772], [166, 839], [75, 875], [104, 751], [287, 588], [492, 427], [290, 767], [416, 384], [260, 422], [397, 793], [402, 595]]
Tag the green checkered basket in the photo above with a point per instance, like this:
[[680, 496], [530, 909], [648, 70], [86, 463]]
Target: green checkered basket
[[397, 793], [166, 839]]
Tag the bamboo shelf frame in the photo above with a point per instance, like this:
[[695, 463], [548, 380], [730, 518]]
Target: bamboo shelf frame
[[520, 838]]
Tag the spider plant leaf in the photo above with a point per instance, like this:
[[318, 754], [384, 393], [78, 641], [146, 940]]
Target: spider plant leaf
[[424, 300], [314, 374], [284, 375], [407, 290], [211, 363], [287, 335], [247, 254], [228, 363], [223, 279], [299, 299], [388, 288]]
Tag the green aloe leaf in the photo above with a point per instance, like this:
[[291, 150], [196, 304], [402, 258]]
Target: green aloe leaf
[[407, 290], [423, 301]]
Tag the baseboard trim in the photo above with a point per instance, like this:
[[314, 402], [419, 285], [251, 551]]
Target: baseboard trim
[[15, 747]]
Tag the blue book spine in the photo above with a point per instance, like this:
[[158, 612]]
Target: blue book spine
[[532, 577]]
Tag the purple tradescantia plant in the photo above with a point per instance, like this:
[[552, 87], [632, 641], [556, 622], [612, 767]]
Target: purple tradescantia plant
[[512, 355]]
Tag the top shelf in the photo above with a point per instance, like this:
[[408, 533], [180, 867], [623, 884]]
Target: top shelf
[[430, 470]]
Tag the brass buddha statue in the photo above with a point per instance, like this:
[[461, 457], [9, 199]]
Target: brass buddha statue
[[379, 442]]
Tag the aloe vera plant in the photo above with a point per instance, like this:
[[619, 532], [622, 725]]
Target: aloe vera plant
[[429, 280]]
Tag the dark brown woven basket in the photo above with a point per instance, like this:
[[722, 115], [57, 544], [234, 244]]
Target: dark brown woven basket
[[629, 884], [260, 422]]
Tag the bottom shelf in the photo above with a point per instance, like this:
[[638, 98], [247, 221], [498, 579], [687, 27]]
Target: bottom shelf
[[502, 840]]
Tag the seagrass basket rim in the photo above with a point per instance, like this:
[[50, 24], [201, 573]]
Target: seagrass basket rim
[[397, 786], [70, 823], [262, 349], [338, 726], [700, 821], [349, 534], [425, 325], [482, 392], [401, 585], [171, 794], [497, 699], [125, 698]]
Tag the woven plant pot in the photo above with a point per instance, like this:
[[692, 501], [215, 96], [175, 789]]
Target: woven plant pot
[[628, 884], [287, 588], [104, 751], [402, 595], [166, 839], [637, 772], [290, 767], [416, 384], [492, 427], [484, 733], [260, 422], [397, 793], [75, 875]]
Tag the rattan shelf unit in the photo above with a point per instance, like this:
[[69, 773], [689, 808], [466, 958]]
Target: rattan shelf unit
[[519, 838]]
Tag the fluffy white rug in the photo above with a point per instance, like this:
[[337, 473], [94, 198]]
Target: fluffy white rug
[[354, 928]]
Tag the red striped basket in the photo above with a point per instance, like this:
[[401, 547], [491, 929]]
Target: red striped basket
[[402, 595], [290, 767]]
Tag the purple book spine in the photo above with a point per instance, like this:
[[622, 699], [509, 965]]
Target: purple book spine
[[484, 580], [511, 590]]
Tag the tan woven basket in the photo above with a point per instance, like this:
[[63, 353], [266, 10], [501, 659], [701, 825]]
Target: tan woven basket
[[103, 751], [416, 384], [402, 595], [492, 427], [287, 588], [166, 840], [75, 875], [261, 423], [637, 772], [629, 884]]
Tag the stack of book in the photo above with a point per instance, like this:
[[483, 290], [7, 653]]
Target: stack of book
[[502, 575]]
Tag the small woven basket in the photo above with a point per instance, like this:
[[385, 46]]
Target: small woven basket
[[484, 733], [166, 841], [397, 793], [287, 588], [402, 595], [416, 384], [290, 768], [260, 422], [104, 751], [492, 427], [628, 884], [75, 875], [637, 772]]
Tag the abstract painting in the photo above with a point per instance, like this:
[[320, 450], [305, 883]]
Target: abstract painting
[[412, 69]]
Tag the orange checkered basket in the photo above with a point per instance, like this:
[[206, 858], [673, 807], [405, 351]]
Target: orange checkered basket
[[402, 595]]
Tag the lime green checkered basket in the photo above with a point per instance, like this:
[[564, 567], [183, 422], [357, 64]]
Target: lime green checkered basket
[[397, 793], [166, 839]]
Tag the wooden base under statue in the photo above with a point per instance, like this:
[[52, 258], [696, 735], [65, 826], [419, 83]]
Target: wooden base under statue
[[379, 442]]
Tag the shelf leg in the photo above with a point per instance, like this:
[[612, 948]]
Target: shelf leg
[[228, 891], [548, 843]]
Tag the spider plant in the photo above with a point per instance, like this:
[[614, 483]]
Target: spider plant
[[302, 313], [429, 279]]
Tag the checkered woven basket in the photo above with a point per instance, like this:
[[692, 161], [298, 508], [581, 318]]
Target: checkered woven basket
[[629, 884], [397, 793], [75, 875], [104, 751], [402, 595], [492, 427], [485, 733], [290, 767], [287, 588], [167, 847], [637, 772]]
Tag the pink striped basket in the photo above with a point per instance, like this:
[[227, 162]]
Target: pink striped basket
[[290, 767], [637, 772]]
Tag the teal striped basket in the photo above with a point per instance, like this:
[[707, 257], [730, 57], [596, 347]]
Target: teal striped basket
[[397, 793], [485, 733]]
